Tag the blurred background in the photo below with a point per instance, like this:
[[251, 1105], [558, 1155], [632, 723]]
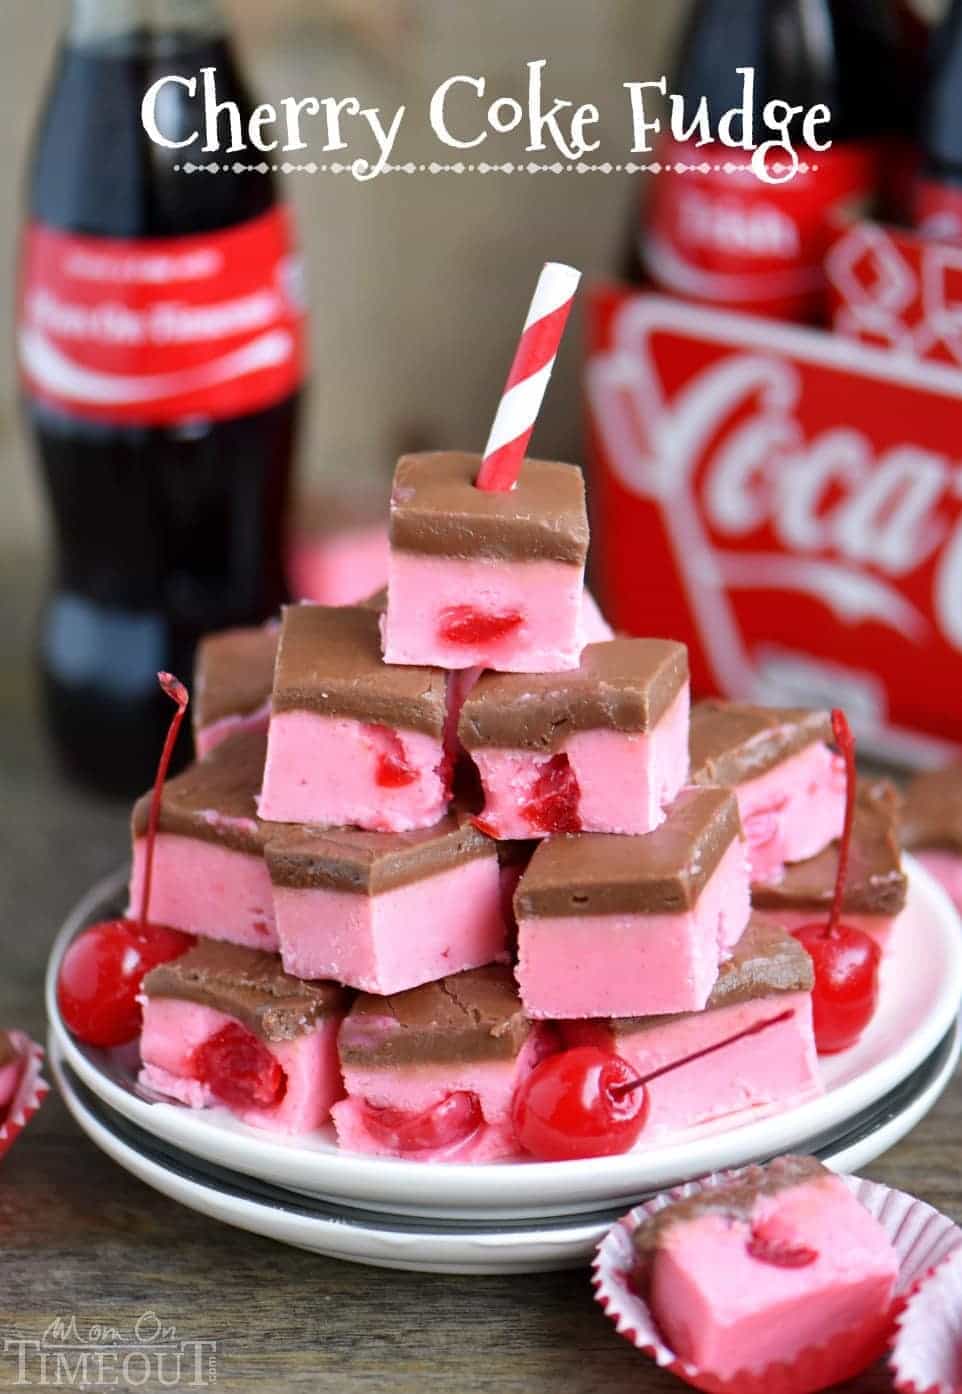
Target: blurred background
[[409, 344]]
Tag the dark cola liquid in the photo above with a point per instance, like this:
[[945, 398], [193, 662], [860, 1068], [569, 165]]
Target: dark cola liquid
[[160, 534]]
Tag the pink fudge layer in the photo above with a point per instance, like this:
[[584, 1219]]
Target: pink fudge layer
[[595, 629], [727, 1311], [424, 590], [793, 811], [327, 770], [399, 938], [414, 1088], [339, 568], [205, 889], [207, 738], [946, 867], [778, 1068], [625, 780], [174, 1029], [633, 964]]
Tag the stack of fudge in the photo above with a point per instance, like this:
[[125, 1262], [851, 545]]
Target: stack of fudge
[[431, 838]]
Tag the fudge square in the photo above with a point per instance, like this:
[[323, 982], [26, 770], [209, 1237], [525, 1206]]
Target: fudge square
[[633, 926], [485, 579], [387, 911], [226, 1025], [233, 678], [714, 1270], [431, 1074], [210, 877], [931, 825], [789, 783], [769, 976], [352, 740], [875, 887], [603, 748]]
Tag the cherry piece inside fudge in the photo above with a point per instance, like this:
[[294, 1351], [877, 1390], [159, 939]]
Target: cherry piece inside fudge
[[387, 911], [633, 926], [789, 784], [781, 1260], [11, 1067], [210, 877], [931, 826], [226, 1025], [875, 887], [233, 677], [601, 749], [768, 975], [480, 578], [431, 1073], [353, 740]]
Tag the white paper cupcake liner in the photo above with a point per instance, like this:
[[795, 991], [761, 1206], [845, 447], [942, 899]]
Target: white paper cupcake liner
[[30, 1092], [926, 1355], [922, 1237]]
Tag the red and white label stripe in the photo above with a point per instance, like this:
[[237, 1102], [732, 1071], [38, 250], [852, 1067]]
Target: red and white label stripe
[[529, 376]]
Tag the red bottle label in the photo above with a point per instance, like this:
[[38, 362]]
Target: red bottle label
[[718, 233], [157, 331], [938, 210]]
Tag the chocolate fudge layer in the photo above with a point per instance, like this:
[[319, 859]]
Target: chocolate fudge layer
[[734, 1201], [876, 883], [233, 673], [765, 962], [436, 509], [622, 685], [470, 1016], [931, 814], [661, 873], [344, 859], [8, 1051], [329, 661], [215, 798], [249, 985], [731, 742]]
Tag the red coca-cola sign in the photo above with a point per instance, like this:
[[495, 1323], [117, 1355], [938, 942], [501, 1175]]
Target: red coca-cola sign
[[158, 330], [789, 503]]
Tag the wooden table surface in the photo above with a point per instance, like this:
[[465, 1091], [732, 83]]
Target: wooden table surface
[[81, 1237]]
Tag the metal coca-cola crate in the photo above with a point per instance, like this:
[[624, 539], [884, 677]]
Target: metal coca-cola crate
[[789, 502]]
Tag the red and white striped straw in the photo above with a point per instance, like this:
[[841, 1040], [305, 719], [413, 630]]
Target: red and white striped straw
[[529, 376]]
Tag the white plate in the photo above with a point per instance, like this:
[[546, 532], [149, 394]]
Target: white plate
[[433, 1245], [920, 991]]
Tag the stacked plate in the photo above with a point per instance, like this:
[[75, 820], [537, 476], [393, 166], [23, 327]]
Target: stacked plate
[[522, 1216]]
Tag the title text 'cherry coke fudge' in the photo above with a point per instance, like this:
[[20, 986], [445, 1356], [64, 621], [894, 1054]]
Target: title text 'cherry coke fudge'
[[431, 1073], [633, 926], [387, 911], [233, 677], [353, 740], [226, 1025], [603, 748], [790, 785], [768, 979], [931, 826], [486, 578], [210, 877], [875, 887], [752, 1274]]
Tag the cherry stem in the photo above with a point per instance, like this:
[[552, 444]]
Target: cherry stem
[[177, 692], [846, 744], [619, 1091]]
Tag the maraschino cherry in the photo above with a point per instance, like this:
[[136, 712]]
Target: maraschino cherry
[[845, 959], [587, 1102], [103, 969]]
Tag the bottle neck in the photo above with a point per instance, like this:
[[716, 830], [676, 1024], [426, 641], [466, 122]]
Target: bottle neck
[[100, 21]]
